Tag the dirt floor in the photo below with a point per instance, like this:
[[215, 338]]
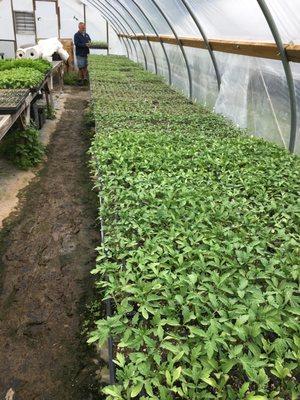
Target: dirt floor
[[12, 179], [46, 253]]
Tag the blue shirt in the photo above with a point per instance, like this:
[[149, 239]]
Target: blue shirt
[[80, 41]]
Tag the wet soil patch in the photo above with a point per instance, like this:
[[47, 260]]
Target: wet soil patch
[[46, 254]]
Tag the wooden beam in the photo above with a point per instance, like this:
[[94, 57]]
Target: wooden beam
[[293, 52], [247, 48]]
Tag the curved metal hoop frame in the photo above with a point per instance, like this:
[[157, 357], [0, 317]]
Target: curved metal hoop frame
[[156, 33], [113, 12], [114, 23], [143, 32], [180, 46], [130, 27], [287, 69], [206, 41]]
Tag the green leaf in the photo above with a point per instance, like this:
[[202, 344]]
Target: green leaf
[[242, 320], [120, 360], [157, 358], [262, 379], [210, 347], [168, 378], [114, 391], [213, 300], [179, 299], [169, 346], [144, 312], [160, 332], [197, 331], [176, 374], [148, 388], [136, 390], [244, 389], [228, 365], [274, 327], [210, 382]]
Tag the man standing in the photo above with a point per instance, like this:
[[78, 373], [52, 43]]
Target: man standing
[[82, 42]]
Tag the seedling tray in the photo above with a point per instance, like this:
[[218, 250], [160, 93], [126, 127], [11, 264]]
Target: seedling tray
[[38, 87], [11, 100], [98, 47]]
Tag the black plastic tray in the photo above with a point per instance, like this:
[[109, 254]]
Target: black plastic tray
[[11, 100]]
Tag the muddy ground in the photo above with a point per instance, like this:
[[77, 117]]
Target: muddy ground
[[46, 254]]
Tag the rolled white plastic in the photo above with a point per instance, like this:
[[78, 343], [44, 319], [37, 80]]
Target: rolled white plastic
[[33, 52], [49, 46], [21, 53], [64, 55], [45, 49]]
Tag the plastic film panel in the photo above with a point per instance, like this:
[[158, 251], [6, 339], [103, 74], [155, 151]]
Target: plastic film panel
[[287, 17], [162, 66], [155, 16], [120, 28], [147, 50], [232, 19], [254, 95], [149, 56], [134, 54], [136, 13], [204, 82], [178, 67], [130, 21], [179, 16], [270, 102]]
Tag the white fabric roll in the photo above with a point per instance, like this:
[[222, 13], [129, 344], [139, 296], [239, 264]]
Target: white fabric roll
[[49, 46], [33, 52], [64, 55], [21, 53], [45, 49]]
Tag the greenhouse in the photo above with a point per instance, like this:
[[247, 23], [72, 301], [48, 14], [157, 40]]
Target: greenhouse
[[149, 199]]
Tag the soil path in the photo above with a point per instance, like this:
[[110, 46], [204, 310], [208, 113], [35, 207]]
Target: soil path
[[46, 253]]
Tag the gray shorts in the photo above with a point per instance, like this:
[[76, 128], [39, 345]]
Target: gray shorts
[[82, 62]]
